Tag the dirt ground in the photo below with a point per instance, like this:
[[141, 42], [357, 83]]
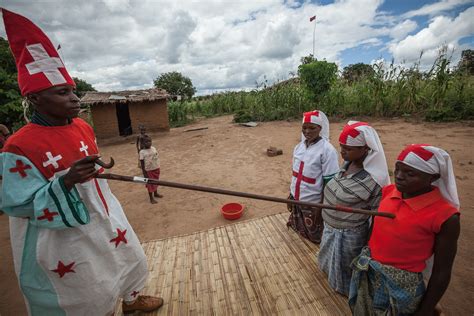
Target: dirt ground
[[233, 157]]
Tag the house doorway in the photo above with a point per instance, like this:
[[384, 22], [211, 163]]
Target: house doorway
[[123, 118]]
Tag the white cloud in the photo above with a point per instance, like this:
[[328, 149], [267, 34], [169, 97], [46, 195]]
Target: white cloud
[[126, 44], [440, 31], [117, 5], [177, 36], [436, 8], [278, 39], [403, 29]]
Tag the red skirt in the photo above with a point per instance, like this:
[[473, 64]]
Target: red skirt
[[153, 174]]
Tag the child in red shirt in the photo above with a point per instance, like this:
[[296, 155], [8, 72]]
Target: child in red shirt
[[387, 275]]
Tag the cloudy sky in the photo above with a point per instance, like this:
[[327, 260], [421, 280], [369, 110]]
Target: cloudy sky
[[229, 45]]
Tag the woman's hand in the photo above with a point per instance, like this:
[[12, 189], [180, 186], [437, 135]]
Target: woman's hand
[[81, 171], [289, 206]]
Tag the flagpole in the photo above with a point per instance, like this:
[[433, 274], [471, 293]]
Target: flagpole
[[314, 32]]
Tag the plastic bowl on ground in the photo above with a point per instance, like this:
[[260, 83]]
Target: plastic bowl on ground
[[232, 211]]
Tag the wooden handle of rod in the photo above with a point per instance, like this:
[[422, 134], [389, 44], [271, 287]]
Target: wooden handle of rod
[[111, 176]]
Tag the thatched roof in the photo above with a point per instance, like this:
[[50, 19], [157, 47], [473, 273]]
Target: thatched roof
[[92, 98]]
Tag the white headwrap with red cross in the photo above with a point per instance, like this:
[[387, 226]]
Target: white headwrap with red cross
[[318, 118], [37, 61], [433, 160], [361, 134]]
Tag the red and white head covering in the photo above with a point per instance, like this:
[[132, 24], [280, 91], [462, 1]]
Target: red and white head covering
[[37, 61], [433, 160], [318, 118], [361, 134]]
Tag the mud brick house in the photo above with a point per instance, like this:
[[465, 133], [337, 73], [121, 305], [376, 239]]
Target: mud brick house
[[120, 113]]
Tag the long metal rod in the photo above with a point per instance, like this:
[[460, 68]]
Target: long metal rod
[[111, 176]]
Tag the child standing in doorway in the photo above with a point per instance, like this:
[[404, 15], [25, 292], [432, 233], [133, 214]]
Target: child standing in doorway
[[150, 164]]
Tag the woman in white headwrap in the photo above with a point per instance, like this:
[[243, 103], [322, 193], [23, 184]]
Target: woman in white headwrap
[[387, 275], [358, 184], [314, 163]]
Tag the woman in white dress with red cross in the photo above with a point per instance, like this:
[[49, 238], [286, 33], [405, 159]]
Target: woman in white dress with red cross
[[315, 162]]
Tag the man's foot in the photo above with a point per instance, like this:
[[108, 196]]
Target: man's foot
[[143, 303], [153, 201], [158, 195]]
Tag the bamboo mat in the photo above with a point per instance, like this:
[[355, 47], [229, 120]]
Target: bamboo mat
[[257, 267]]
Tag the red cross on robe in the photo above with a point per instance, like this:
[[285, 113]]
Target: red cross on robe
[[135, 293], [20, 168], [299, 177], [120, 237], [48, 215], [63, 269]]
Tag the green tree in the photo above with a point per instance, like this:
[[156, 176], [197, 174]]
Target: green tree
[[356, 72], [307, 59], [175, 84], [317, 77], [10, 97], [82, 87], [466, 64]]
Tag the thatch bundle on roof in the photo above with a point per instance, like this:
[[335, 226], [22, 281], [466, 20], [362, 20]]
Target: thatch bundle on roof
[[93, 97]]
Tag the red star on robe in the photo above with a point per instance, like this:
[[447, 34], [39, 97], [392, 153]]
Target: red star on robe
[[120, 237], [63, 269]]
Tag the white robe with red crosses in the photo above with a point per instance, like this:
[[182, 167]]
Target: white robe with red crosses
[[74, 251], [312, 166]]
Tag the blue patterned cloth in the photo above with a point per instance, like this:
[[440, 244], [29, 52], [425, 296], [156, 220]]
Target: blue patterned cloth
[[337, 250], [378, 289]]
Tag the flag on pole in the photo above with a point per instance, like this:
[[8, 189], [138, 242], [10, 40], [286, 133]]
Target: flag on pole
[[311, 19]]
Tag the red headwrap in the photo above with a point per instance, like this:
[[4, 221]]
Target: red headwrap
[[37, 61]]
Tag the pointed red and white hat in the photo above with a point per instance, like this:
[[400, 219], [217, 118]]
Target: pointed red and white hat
[[37, 61], [362, 134], [433, 160], [319, 118]]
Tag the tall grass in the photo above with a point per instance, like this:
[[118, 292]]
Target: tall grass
[[438, 94]]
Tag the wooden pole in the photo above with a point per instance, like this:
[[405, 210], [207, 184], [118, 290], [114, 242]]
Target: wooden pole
[[111, 176]]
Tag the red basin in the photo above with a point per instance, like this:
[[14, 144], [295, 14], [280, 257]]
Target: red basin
[[232, 211]]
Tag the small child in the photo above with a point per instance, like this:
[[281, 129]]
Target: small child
[[150, 164], [139, 142], [387, 276]]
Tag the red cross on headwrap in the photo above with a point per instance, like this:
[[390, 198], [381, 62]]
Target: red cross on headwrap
[[350, 130], [307, 116], [418, 150], [37, 61]]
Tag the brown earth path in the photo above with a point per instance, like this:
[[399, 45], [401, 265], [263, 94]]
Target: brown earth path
[[233, 157]]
